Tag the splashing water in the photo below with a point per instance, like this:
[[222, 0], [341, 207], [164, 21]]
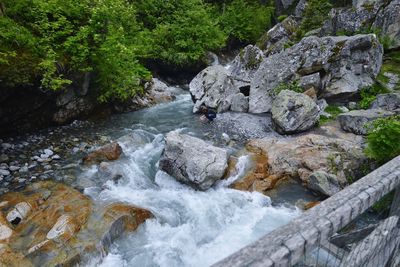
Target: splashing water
[[189, 228]]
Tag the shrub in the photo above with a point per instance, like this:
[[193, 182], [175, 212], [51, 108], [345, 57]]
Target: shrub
[[368, 95], [383, 139], [315, 13], [292, 86]]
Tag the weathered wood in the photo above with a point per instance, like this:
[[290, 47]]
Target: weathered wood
[[376, 248], [395, 208], [289, 243], [341, 240]]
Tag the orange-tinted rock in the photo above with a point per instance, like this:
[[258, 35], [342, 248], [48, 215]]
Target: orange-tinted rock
[[258, 178], [312, 93], [310, 205], [105, 153], [61, 225]]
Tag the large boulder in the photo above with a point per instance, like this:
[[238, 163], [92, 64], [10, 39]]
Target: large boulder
[[294, 112], [51, 224], [274, 41], [389, 102], [246, 63], [214, 88], [345, 64], [388, 22], [329, 149], [351, 20], [192, 161], [358, 121]]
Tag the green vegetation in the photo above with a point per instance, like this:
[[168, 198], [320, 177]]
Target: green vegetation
[[46, 43], [315, 14], [368, 95], [332, 110], [384, 204], [384, 139], [391, 64], [282, 18], [292, 86]]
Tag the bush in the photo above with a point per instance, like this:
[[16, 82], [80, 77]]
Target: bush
[[368, 95], [292, 86], [315, 13], [383, 139], [246, 20]]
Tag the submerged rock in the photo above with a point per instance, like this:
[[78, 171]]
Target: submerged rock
[[192, 161], [105, 153], [294, 112], [61, 226], [357, 121]]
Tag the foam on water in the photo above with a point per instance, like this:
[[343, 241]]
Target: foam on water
[[190, 228]]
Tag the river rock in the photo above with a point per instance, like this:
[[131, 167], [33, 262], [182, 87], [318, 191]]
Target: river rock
[[323, 183], [388, 22], [62, 226], [294, 112], [192, 161], [105, 153], [326, 149], [214, 88], [4, 172], [357, 121], [388, 102], [347, 65]]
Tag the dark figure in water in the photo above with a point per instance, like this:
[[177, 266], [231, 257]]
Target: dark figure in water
[[208, 113]]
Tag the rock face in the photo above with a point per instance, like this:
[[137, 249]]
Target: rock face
[[245, 64], [345, 65], [356, 121], [294, 112], [330, 150], [388, 102], [60, 226], [105, 153], [192, 161], [388, 21]]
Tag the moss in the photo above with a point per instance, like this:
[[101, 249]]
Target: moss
[[282, 17], [336, 51], [332, 110], [391, 64], [383, 205], [369, 7], [292, 86]]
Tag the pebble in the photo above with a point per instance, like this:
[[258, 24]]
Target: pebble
[[23, 169], [4, 172], [56, 157], [4, 166], [48, 152], [47, 167], [4, 158], [75, 139], [14, 168], [6, 145]]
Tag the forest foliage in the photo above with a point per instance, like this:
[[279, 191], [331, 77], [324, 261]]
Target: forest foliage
[[47, 42]]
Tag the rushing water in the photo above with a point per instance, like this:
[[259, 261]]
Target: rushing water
[[189, 228]]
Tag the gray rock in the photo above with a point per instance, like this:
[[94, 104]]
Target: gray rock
[[214, 88], [192, 161], [348, 64], [6, 145], [240, 103], [324, 183], [244, 66], [294, 112], [357, 121], [277, 37], [311, 81], [24, 169], [393, 82], [3, 158], [4, 172], [389, 102], [351, 20], [14, 168], [388, 22], [242, 126]]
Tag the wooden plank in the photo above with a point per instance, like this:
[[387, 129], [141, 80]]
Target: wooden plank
[[376, 248]]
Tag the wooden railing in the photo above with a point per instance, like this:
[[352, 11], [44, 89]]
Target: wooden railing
[[287, 245]]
